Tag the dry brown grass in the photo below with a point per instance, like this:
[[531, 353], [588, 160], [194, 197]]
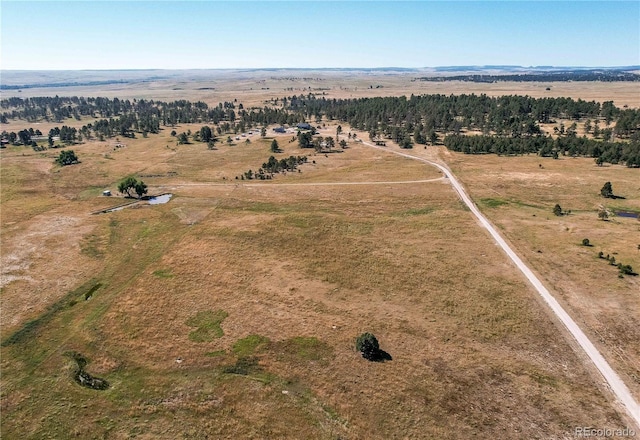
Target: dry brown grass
[[474, 352], [255, 88], [606, 305]]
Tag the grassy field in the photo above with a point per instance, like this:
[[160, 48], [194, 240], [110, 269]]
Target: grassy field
[[232, 310], [518, 195], [254, 88]]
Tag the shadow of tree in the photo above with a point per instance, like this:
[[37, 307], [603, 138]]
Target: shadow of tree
[[377, 356]]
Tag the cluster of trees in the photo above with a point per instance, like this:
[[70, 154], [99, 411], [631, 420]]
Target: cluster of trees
[[67, 157], [510, 115], [273, 166], [119, 117], [319, 143], [602, 151], [509, 124], [505, 115], [623, 269]]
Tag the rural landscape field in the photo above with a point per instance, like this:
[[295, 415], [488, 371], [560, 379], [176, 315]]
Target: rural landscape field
[[331, 220], [232, 310]]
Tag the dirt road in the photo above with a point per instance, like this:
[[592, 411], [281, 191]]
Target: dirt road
[[617, 386]]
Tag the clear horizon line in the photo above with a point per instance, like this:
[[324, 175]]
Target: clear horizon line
[[460, 66]]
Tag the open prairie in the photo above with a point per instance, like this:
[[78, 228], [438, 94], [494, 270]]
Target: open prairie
[[256, 87], [232, 310]]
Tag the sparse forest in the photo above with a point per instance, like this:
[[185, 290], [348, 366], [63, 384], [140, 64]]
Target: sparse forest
[[507, 125]]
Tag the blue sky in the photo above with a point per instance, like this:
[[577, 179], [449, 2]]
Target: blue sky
[[308, 34]]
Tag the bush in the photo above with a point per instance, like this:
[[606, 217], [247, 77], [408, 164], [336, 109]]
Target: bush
[[368, 345], [67, 157], [607, 191], [585, 242], [626, 269], [557, 210]]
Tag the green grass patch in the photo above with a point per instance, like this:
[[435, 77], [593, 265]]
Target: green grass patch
[[493, 202], [207, 325], [163, 273], [216, 353], [91, 247], [251, 344], [91, 291], [29, 329]]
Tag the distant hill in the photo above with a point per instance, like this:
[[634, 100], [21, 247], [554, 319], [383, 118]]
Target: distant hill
[[23, 79]]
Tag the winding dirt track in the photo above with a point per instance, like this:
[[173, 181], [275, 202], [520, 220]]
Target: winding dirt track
[[618, 388]]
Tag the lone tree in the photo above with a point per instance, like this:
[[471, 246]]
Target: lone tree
[[206, 134], [183, 138], [557, 210], [131, 183], [275, 148], [367, 344], [607, 190], [67, 157]]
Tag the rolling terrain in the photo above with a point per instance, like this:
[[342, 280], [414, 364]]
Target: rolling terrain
[[232, 310]]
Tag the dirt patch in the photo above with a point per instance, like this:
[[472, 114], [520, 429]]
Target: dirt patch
[[41, 256]]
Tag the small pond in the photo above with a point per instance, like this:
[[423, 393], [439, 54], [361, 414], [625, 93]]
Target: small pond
[[155, 200], [627, 214], [159, 200]]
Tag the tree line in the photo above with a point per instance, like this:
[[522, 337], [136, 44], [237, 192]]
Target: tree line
[[570, 75], [602, 151], [508, 124]]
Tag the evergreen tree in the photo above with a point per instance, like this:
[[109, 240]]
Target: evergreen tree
[[607, 190]]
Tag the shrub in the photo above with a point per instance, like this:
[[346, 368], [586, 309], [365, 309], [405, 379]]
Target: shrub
[[67, 157], [585, 242], [626, 269], [368, 345], [607, 190], [557, 210]]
